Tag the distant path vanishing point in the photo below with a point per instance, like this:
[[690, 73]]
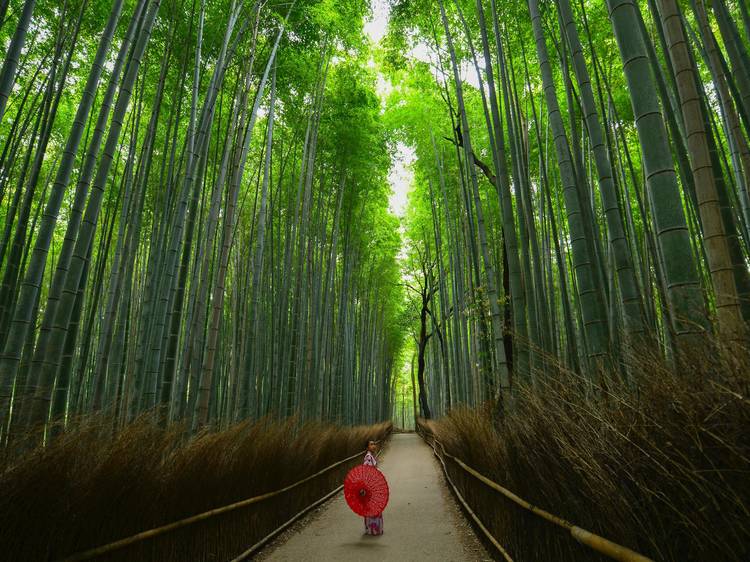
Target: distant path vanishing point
[[422, 520]]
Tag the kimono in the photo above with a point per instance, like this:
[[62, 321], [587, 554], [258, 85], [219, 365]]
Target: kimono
[[373, 525]]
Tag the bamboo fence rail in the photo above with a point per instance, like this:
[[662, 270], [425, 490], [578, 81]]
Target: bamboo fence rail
[[592, 540], [213, 513]]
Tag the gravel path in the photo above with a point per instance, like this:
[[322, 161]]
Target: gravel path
[[422, 521]]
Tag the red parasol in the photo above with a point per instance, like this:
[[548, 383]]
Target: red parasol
[[366, 490]]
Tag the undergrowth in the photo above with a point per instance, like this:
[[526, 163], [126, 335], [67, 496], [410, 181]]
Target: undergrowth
[[660, 463], [89, 488]]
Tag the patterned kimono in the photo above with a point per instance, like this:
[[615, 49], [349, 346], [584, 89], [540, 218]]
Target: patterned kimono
[[373, 525]]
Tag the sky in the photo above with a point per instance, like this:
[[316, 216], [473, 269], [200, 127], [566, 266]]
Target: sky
[[376, 27]]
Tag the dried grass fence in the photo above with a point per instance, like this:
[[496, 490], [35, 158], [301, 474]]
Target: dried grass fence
[[593, 541], [202, 499], [660, 463]]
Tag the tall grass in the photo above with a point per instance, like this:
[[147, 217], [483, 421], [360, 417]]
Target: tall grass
[[660, 464], [89, 488]]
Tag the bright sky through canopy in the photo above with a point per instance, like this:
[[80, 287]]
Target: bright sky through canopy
[[401, 175], [376, 27]]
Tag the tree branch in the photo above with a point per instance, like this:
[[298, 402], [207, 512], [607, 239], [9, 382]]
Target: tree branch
[[486, 170]]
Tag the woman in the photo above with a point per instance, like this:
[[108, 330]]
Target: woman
[[373, 525]]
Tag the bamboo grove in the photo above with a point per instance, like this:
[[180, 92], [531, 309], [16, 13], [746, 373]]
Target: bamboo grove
[[581, 190], [194, 215], [195, 202]]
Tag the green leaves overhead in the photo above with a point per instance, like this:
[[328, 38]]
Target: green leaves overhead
[[231, 265], [223, 280]]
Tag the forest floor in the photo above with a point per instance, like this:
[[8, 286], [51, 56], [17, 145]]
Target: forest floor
[[422, 520]]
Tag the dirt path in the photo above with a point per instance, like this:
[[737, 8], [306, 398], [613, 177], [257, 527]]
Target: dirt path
[[422, 521]]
